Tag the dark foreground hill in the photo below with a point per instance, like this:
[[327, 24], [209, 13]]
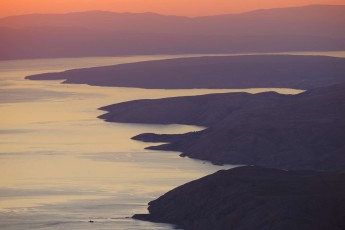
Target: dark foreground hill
[[304, 131], [248, 198], [252, 71], [97, 33]]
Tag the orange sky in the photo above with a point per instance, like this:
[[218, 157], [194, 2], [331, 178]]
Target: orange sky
[[172, 7]]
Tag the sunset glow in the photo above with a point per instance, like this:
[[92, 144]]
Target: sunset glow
[[171, 7], [158, 114]]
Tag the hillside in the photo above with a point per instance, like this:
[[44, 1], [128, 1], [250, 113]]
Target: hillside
[[304, 131], [247, 198]]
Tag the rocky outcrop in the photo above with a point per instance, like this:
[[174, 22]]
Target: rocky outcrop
[[248, 198]]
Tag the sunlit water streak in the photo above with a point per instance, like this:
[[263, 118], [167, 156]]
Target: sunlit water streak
[[61, 166]]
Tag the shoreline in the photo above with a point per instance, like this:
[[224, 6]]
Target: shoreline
[[265, 129], [251, 197], [217, 72]]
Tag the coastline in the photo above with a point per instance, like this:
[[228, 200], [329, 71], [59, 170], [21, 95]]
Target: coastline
[[251, 197], [238, 119], [217, 72], [303, 131], [311, 93]]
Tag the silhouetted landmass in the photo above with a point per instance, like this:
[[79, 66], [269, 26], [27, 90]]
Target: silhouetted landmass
[[203, 110], [248, 71], [100, 33], [304, 131], [248, 198]]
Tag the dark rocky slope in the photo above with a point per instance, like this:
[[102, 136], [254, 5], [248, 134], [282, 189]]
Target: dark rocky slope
[[304, 131], [253, 71], [203, 110], [248, 198]]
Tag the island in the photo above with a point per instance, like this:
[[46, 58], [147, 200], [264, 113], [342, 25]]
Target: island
[[217, 72]]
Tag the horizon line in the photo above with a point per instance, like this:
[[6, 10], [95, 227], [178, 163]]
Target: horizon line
[[171, 15]]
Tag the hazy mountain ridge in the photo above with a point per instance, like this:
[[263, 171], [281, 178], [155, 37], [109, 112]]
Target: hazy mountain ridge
[[107, 34], [252, 22]]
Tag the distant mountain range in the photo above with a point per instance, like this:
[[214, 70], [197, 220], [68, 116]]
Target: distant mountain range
[[97, 33]]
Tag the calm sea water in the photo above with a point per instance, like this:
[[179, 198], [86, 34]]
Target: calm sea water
[[60, 166]]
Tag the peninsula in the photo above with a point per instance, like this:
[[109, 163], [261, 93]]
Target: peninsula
[[227, 72], [303, 131]]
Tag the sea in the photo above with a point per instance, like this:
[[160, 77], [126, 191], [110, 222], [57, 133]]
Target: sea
[[61, 166]]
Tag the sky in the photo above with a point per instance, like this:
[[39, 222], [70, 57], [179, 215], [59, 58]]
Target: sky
[[170, 7]]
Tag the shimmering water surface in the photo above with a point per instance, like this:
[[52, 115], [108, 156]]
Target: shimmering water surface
[[61, 166]]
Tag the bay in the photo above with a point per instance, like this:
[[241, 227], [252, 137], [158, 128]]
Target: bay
[[60, 166]]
